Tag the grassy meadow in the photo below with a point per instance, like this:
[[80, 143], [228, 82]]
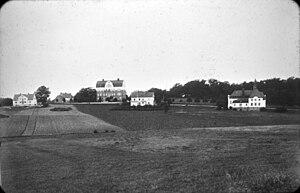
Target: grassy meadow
[[179, 117], [187, 149]]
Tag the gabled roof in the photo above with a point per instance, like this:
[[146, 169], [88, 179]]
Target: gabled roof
[[29, 96], [116, 83], [247, 94], [139, 94], [241, 100]]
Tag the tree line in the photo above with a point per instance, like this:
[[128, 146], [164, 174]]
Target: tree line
[[283, 92]]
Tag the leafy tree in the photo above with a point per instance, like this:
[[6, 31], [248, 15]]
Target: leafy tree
[[86, 95], [159, 95], [6, 102], [42, 93]]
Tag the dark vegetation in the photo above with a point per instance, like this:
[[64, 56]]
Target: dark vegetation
[[279, 92], [6, 102], [185, 117], [197, 161], [61, 109], [42, 94], [86, 95], [3, 116]]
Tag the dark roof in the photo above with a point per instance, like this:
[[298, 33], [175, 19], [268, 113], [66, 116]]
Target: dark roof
[[241, 100], [116, 83], [247, 94], [29, 96], [138, 94]]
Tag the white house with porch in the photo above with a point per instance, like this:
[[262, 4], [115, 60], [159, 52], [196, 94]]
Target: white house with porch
[[140, 98], [24, 100], [247, 100]]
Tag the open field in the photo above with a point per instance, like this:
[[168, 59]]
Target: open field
[[186, 117], [155, 161], [42, 121], [154, 155]]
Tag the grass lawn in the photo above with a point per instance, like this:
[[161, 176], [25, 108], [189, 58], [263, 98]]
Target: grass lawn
[[154, 161], [159, 153], [186, 117]]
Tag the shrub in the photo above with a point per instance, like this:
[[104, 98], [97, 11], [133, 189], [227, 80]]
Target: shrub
[[61, 109], [45, 104], [3, 116], [262, 109], [280, 110], [6, 102]]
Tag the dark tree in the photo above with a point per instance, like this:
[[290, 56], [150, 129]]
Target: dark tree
[[6, 102], [159, 95], [86, 95], [42, 93]]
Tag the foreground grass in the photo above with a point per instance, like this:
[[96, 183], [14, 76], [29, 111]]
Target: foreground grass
[[154, 161], [185, 117]]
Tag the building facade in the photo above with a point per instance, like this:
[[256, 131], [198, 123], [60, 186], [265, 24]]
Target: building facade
[[24, 100], [110, 89], [247, 100], [140, 98], [63, 98]]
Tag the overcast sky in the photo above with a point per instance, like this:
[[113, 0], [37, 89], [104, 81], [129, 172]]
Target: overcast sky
[[69, 45]]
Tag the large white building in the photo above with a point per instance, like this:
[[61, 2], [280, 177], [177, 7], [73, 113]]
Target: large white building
[[114, 89], [24, 100], [247, 100], [140, 98]]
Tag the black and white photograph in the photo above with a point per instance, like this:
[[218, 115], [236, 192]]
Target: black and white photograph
[[150, 96]]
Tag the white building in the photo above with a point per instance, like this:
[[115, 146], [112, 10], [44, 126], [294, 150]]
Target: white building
[[140, 98], [114, 89], [24, 100], [247, 100]]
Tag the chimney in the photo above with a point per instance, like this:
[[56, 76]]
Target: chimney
[[118, 79]]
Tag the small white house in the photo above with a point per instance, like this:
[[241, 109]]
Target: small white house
[[247, 100], [24, 100], [140, 98]]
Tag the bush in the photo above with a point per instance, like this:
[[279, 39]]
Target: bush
[[61, 109], [262, 109], [45, 104], [6, 102], [280, 110]]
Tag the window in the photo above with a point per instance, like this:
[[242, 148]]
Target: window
[[246, 104], [233, 104], [240, 104], [251, 104], [254, 99], [258, 104], [254, 104]]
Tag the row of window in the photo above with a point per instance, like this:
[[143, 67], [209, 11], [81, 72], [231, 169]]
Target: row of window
[[23, 102], [110, 94], [140, 99], [251, 104], [255, 99]]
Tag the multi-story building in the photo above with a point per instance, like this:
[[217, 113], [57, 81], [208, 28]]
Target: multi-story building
[[24, 100], [140, 98], [113, 89], [247, 100]]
